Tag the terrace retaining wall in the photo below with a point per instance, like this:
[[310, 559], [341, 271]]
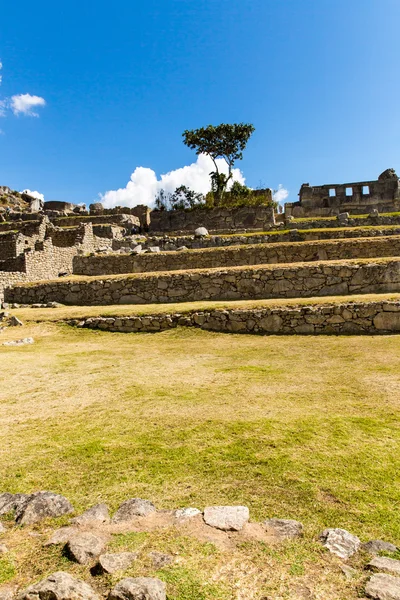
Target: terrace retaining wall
[[338, 319], [238, 255], [235, 283]]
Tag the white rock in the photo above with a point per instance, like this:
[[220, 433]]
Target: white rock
[[340, 542], [227, 518]]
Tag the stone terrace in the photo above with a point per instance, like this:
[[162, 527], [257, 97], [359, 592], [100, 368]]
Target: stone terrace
[[342, 257]]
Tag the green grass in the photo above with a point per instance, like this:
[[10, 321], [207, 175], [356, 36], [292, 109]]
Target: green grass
[[293, 427]]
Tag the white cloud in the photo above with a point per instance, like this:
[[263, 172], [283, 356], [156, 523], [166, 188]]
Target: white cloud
[[37, 195], [22, 104], [280, 194], [1, 76], [144, 186]]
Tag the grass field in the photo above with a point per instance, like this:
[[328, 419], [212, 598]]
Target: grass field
[[293, 427]]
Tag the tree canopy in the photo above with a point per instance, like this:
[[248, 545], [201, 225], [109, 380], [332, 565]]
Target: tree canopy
[[225, 141]]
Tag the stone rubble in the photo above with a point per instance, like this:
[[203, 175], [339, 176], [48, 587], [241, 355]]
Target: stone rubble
[[85, 546], [227, 518], [59, 586], [383, 587], [340, 542], [135, 507], [139, 588], [112, 563]]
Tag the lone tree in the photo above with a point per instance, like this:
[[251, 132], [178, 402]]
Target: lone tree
[[221, 141]]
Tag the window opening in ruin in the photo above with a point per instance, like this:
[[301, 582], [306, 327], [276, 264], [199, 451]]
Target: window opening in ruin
[[349, 191], [332, 192], [365, 190]]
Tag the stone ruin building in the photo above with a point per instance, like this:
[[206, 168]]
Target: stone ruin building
[[356, 198]]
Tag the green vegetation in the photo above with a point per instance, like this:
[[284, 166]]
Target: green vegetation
[[295, 427], [222, 141]]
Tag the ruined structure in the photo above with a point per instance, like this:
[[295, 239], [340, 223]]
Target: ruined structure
[[357, 198]]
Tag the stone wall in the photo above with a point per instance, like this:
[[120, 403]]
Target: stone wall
[[236, 283], [337, 319], [170, 243], [251, 217], [46, 257], [237, 255], [8, 279], [356, 197]]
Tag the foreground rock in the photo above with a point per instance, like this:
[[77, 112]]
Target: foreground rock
[[2, 528], [388, 565], [227, 518], [85, 547], [111, 563], [135, 507], [383, 587], [98, 514], [284, 528], [139, 588], [61, 536], [41, 505], [376, 546], [59, 586], [12, 502], [340, 542]]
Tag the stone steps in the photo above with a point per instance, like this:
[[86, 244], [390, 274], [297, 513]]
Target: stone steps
[[297, 280], [261, 254]]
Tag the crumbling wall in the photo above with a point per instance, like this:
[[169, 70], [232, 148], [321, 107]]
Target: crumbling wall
[[355, 198]]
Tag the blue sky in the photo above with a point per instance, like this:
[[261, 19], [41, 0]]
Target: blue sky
[[121, 80]]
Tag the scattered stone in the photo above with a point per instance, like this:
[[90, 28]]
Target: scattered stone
[[2, 528], [285, 528], [111, 563], [187, 513], [85, 547], [135, 507], [348, 572], [12, 502], [59, 586], [41, 505], [383, 587], [139, 588], [161, 560], [15, 322], [227, 518], [340, 542], [200, 232], [137, 249], [3, 549], [62, 536], [96, 514], [21, 342], [385, 564], [154, 249], [376, 546]]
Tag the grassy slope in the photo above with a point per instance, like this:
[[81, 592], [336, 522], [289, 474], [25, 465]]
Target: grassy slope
[[294, 427]]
